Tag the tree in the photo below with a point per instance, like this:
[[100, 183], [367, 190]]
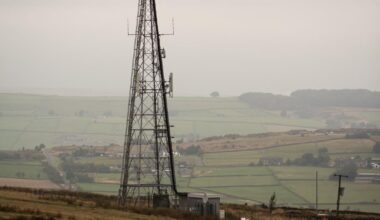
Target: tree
[[267, 101], [323, 156], [358, 135], [376, 148], [84, 178], [350, 169], [70, 176], [309, 99], [272, 202], [215, 94], [82, 113], [288, 162], [369, 160], [51, 112], [52, 173], [39, 147], [284, 113], [308, 159], [191, 150]]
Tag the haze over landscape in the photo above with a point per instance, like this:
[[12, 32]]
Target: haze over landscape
[[272, 99], [81, 47]]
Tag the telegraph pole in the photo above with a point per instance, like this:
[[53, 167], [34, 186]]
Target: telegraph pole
[[316, 190], [340, 192]]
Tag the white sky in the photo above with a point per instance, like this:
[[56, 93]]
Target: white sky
[[80, 47]]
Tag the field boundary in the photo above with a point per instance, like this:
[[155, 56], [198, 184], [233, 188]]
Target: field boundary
[[274, 146]]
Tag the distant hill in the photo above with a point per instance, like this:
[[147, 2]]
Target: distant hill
[[314, 98]]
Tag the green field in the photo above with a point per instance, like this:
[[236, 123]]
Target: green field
[[29, 169], [336, 148], [28, 120], [226, 181], [230, 171], [228, 174], [100, 160], [99, 188], [260, 194], [301, 173], [101, 177]]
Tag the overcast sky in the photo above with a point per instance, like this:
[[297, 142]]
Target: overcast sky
[[81, 47]]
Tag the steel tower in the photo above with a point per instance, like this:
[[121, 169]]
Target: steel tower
[[148, 175]]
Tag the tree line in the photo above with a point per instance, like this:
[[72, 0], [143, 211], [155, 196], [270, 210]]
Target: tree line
[[313, 98]]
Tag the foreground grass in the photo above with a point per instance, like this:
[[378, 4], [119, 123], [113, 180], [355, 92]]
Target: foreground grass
[[23, 203], [15, 204]]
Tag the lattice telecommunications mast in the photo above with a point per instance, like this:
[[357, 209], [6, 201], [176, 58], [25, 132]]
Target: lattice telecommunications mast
[[148, 174]]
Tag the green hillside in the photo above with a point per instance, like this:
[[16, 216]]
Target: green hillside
[[28, 120], [238, 176]]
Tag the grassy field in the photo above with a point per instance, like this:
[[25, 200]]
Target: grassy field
[[301, 173], [229, 173], [100, 160], [107, 177], [293, 185], [259, 194], [22, 169], [111, 189], [223, 167], [236, 181], [28, 120], [336, 148]]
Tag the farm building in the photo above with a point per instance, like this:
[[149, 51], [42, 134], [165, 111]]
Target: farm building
[[184, 170], [361, 163], [200, 203], [271, 161], [367, 178]]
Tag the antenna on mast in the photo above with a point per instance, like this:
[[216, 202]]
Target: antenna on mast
[[171, 85]]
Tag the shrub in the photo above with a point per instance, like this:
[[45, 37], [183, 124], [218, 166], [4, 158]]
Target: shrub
[[272, 202], [357, 135], [52, 173], [192, 150], [350, 169]]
